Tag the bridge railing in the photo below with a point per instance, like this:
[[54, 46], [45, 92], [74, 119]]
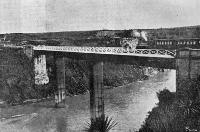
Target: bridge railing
[[110, 50]]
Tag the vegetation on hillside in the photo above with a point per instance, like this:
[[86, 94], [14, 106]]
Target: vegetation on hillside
[[176, 112], [16, 76]]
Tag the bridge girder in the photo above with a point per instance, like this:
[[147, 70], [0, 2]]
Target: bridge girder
[[165, 63]]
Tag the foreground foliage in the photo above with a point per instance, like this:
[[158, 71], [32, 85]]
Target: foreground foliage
[[102, 124], [176, 112]]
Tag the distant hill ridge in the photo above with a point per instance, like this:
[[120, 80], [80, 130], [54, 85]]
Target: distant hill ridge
[[71, 37]]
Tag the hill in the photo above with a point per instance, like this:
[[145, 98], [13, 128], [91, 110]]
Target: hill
[[92, 38]]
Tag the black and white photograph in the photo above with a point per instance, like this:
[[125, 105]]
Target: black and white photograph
[[99, 65]]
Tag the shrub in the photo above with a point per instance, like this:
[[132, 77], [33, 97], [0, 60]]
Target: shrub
[[101, 124], [145, 128], [165, 97]]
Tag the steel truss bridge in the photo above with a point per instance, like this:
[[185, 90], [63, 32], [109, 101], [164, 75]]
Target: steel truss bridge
[[155, 53]]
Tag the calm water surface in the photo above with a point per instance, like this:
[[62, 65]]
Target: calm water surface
[[128, 105]]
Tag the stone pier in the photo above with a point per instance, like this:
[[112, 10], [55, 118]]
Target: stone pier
[[60, 79], [96, 91]]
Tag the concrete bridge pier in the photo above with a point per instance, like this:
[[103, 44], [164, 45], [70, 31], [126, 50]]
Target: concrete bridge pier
[[96, 91], [59, 66]]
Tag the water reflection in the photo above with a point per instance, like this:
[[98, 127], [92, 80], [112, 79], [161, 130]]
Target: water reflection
[[61, 124]]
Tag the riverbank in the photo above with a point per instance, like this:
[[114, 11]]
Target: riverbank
[[176, 112]]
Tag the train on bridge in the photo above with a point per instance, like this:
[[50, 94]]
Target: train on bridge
[[138, 39], [175, 43], [168, 44]]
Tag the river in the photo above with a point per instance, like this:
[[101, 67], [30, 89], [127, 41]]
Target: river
[[128, 105]]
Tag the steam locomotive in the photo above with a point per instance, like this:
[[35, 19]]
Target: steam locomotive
[[129, 39]]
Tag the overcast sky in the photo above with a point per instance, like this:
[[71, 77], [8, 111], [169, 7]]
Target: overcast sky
[[68, 15]]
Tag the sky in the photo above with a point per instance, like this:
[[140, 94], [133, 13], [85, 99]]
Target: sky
[[77, 15]]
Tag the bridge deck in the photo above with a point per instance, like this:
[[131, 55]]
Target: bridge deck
[[155, 53]]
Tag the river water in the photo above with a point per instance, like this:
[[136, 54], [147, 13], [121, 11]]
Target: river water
[[128, 105]]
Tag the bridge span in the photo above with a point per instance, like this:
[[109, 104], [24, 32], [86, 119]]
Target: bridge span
[[156, 58], [158, 53]]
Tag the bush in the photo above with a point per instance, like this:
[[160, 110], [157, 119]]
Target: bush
[[145, 128], [101, 124], [165, 97]]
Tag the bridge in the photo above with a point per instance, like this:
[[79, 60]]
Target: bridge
[[96, 56], [157, 58], [185, 61], [158, 53]]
